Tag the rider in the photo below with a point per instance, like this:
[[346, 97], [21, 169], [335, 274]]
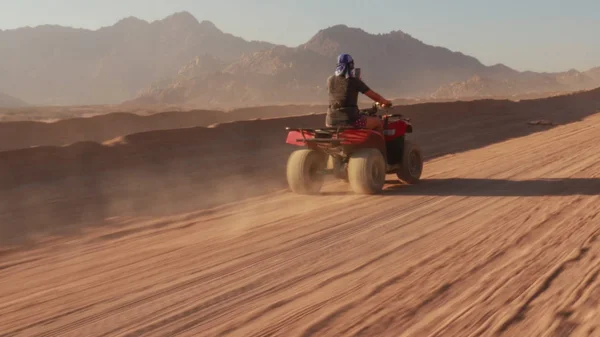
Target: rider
[[343, 97]]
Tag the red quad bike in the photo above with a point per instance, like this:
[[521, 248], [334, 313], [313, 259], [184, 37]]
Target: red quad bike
[[359, 156]]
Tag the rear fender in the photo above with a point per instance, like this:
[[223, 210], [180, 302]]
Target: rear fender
[[363, 138], [349, 140], [296, 137]]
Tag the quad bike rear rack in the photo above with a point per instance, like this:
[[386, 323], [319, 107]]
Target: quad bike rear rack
[[329, 132]]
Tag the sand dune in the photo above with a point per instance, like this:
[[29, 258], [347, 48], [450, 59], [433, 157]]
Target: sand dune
[[28, 127], [57, 126], [499, 240], [24, 134]]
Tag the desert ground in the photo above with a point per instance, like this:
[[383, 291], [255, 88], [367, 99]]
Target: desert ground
[[190, 231]]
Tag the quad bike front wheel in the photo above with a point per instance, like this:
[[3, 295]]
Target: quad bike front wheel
[[366, 171], [305, 171], [412, 163]]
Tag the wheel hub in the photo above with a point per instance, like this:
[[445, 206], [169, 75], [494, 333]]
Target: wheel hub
[[376, 172]]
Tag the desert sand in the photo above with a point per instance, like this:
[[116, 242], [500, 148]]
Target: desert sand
[[191, 232]]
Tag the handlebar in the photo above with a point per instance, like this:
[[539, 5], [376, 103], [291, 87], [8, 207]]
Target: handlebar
[[373, 111]]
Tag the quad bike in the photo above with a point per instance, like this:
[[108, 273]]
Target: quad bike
[[359, 156]]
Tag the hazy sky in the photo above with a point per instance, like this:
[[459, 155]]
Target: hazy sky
[[540, 35]]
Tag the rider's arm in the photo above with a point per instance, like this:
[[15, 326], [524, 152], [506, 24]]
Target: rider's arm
[[363, 88], [377, 97]]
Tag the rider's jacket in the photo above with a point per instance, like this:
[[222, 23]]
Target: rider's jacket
[[343, 99]]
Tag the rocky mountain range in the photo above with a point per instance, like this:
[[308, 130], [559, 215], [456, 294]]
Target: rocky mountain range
[[7, 101], [179, 60], [594, 73], [60, 65], [519, 84], [395, 64]]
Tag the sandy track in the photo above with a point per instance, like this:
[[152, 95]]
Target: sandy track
[[498, 241]]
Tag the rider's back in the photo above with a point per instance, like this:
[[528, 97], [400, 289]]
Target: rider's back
[[344, 91], [343, 97]]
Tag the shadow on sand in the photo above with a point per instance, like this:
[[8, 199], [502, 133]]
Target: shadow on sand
[[498, 187], [472, 187]]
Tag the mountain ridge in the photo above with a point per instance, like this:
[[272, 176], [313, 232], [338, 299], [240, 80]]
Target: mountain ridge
[[52, 64], [8, 101], [179, 59], [395, 63]]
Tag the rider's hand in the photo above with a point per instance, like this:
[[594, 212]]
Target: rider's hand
[[386, 103]]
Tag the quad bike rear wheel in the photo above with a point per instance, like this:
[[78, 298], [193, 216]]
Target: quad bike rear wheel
[[366, 171], [304, 171], [412, 163]]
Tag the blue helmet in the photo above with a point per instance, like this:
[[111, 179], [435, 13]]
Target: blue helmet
[[345, 65]]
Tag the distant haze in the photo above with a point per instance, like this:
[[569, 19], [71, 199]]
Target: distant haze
[[538, 35]]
